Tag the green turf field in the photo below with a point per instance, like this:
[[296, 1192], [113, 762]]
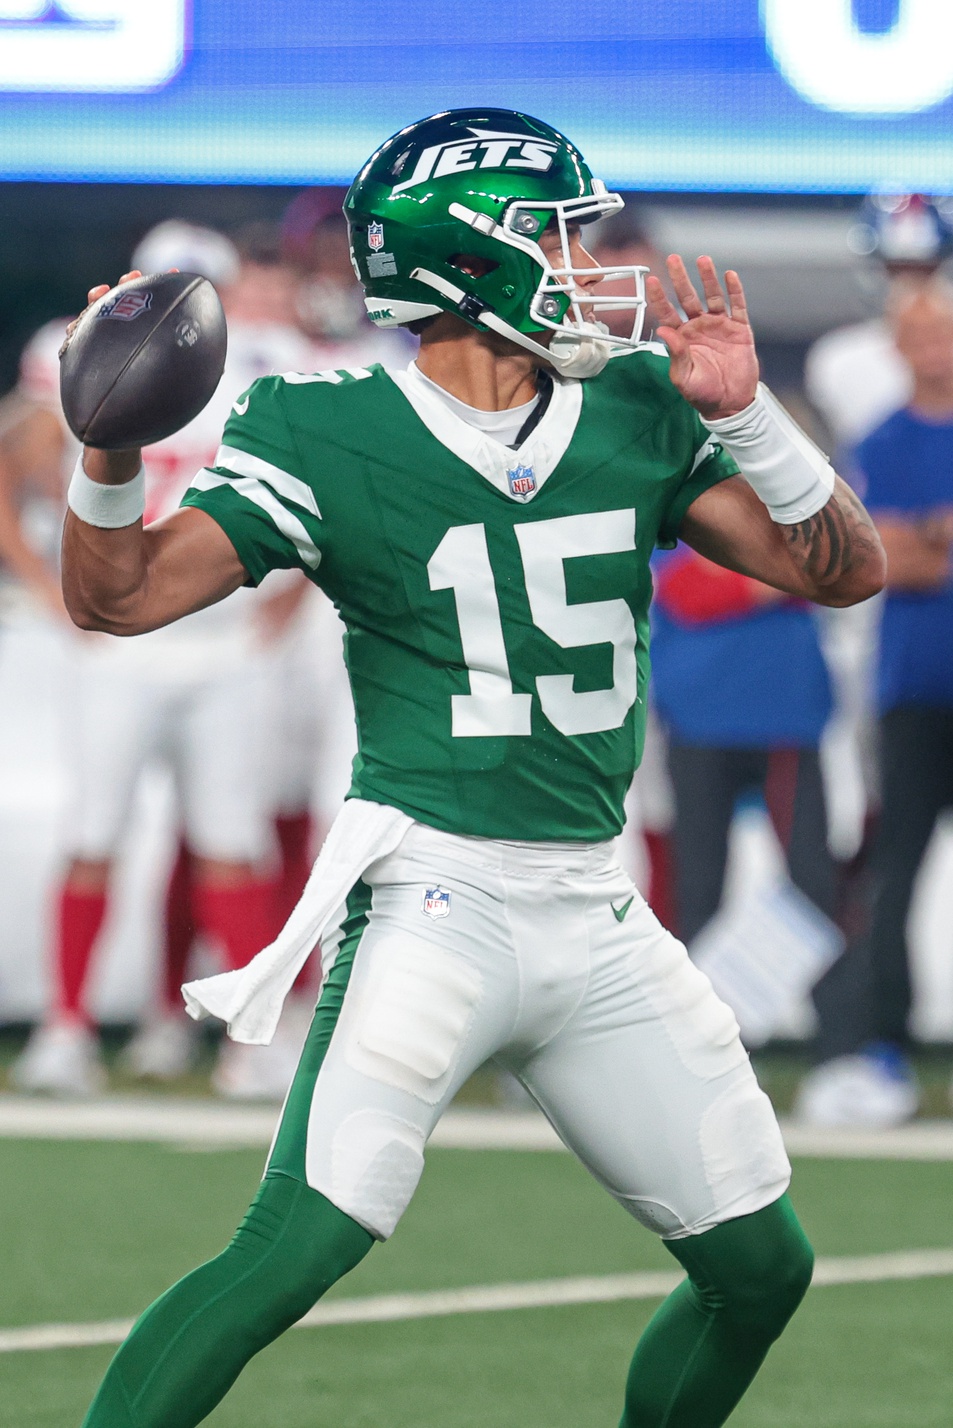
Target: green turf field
[[92, 1231]]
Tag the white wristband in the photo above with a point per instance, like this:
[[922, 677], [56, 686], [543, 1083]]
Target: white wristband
[[109, 507], [787, 471]]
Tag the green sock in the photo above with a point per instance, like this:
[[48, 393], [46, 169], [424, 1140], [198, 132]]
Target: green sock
[[187, 1349], [707, 1341]]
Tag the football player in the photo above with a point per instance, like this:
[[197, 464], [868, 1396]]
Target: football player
[[484, 522]]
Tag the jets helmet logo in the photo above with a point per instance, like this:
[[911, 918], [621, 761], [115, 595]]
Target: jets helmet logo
[[488, 149]]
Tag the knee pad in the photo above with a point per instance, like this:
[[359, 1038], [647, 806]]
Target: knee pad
[[299, 1242], [765, 1294], [754, 1270]]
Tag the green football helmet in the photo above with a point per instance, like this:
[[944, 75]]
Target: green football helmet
[[487, 182]]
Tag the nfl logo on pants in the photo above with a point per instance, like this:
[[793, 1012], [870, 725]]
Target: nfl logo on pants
[[436, 902]]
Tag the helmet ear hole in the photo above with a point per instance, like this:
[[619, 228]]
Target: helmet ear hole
[[473, 264]]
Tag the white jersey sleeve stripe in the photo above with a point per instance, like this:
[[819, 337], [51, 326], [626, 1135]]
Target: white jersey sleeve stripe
[[230, 458], [702, 454], [252, 490], [300, 379]]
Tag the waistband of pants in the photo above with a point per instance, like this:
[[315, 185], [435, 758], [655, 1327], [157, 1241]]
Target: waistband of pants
[[519, 859]]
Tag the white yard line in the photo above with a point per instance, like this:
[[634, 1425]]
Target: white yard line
[[492, 1298], [214, 1125], [137, 1118], [921, 1140]]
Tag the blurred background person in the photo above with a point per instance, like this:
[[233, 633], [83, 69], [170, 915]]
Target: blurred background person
[[198, 696], [855, 376], [906, 467], [329, 301], [742, 690], [37, 453]]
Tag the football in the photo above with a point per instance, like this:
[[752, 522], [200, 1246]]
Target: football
[[143, 360]]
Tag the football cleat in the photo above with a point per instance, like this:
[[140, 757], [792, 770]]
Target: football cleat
[[162, 1049], [487, 182], [264, 1073], [60, 1059], [873, 1090]]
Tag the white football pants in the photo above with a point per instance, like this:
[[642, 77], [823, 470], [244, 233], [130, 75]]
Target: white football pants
[[453, 951]]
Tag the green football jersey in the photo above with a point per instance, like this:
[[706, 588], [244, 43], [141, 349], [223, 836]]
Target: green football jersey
[[496, 601]]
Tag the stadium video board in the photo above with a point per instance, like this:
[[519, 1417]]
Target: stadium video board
[[809, 95]]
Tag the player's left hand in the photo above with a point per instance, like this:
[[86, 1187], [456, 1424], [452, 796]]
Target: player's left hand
[[714, 364]]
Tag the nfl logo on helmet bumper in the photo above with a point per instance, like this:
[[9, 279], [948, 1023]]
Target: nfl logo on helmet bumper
[[436, 902]]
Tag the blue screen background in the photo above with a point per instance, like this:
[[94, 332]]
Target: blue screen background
[[659, 94]]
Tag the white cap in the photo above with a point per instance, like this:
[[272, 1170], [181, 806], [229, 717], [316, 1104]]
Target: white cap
[[191, 249]]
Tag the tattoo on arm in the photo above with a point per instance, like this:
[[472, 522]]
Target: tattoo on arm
[[831, 543]]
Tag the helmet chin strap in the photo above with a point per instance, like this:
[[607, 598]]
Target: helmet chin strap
[[584, 355]]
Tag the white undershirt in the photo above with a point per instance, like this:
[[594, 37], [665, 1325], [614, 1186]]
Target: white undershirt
[[504, 427]]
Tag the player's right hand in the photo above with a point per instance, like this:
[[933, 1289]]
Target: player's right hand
[[97, 292], [93, 296], [110, 467]]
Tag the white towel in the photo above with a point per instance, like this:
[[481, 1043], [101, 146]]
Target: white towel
[[250, 1000]]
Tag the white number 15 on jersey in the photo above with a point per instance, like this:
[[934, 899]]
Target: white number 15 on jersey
[[461, 563]]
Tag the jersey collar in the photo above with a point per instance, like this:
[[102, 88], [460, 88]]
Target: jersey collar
[[539, 454]]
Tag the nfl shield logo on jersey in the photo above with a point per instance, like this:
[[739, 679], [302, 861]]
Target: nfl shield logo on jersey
[[436, 902], [375, 236], [522, 481]]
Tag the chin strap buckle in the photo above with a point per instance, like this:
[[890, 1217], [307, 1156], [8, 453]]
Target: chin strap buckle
[[471, 307], [467, 305]]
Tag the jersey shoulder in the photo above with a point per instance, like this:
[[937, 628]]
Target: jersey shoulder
[[315, 405], [328, 386], [634, 394], [644, 371]]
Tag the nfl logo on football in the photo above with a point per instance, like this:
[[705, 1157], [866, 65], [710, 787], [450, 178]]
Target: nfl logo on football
[[127, 306], [436, 902], [375, 236], [522, 481]]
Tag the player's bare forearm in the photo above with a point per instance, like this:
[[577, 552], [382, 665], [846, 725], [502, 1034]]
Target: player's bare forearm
[[135, 579], [835, 558], [838, 550]]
